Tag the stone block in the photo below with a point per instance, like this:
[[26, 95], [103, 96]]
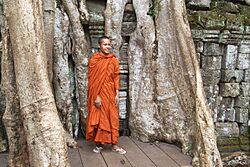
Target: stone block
[[227, 129], [229, 89], [244, 130], [247, 29], [199, 46], [211, 91], [123, 82], [211, 77], [245, 89], [241, 115], [129, 8], [230, 57], [212, 49], [246, 76], [228, 141], [199, 4], [226, 149], [227, 102], [221, 115], [211, 62], [230, 115], [129, 17], [243, 61], [197, 34], [217, 24], [128, 28], [242, 102], [227, 7], [234, 23], [122, 108], [245, 143], [244, 48], [232, 75], [226, 114]]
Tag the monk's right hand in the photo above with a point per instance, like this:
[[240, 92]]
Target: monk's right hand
[[98, 101]]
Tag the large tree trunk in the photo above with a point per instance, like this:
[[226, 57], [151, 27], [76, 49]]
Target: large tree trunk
[[165, 83], [18, 151], [43, 130], [49, 21]]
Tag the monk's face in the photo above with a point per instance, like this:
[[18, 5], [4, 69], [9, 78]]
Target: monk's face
[[105, 46]]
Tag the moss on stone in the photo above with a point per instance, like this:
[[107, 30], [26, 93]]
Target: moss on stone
[[228, 141], [219, 18], [244, 140]]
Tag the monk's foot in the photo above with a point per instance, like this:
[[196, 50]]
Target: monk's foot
[[97, 149], [118, 150]]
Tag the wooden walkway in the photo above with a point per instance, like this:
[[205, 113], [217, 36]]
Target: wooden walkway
[[138, 155]]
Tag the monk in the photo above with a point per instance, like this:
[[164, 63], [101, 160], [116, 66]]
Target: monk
[[103, 98]]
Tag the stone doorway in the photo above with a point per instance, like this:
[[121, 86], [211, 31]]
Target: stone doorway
[[95, 29]]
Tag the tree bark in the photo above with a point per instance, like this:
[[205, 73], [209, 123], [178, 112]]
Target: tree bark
[[18, 151], [113, 15], [40, 118], [49, 22], [80, 50], [167, 100]]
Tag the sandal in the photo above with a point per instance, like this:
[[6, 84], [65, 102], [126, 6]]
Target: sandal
[[97, 149], [119, 150]]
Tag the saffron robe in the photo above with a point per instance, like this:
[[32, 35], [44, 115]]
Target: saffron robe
[[103, 80]]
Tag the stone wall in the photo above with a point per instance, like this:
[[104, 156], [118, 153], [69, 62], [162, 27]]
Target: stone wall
[[221, 32]]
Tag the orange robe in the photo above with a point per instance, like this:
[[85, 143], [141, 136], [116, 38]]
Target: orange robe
[[103, 80]]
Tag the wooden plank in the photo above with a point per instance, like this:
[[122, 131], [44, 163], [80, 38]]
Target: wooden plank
[[89, 158], [114, 159], [156, 155], [134, 155], [175, 153], [3, 160], [74, 157]]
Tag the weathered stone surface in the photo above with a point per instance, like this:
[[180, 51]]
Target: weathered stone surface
[[244, 130], [243, 61], [211, 91], [229, 89], [226, 114], [227, 102], [128, 28], [241, 115], [211, 62], [199, 4], [199, 46], [244, 48], [232, 75], [129, 8], [230, 57], [227, 129], [123, 82], [228, 7], [129, 17], [247, 29], [245, 88], [122, 108], [246, 76], [230, 115], [211, 77], [212, 49], [242, 102], [228, 141], [234, 23], [216, 24]]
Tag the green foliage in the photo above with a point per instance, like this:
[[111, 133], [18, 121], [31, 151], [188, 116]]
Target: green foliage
[[154, 8]]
